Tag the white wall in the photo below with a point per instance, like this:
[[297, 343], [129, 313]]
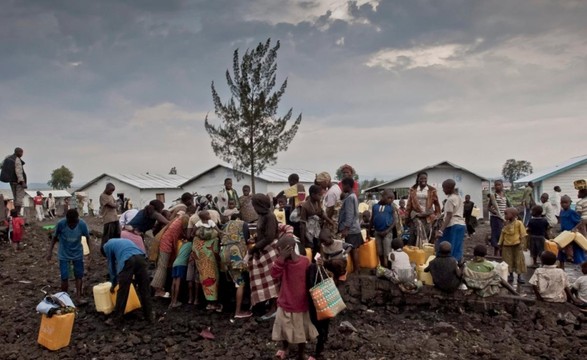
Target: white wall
[[564, 180], [98, 187], [467, 183]]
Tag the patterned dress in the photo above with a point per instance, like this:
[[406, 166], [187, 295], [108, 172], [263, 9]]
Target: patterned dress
[[233, 251], [205, 248]]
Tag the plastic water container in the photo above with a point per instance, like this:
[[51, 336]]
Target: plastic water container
[[564, 238], [580, 184], [309, 254], [349, 264], [528, 257], [85, 246], [416, 255], [425, 277], [476, 212], [581, 241], [368, 255], [551, 246], [55, 332], [132, 302], [503, 270], [428, 251], [102, 298]]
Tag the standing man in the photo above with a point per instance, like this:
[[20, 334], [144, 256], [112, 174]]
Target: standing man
[[13, 173], [38, 202], [226, 194], [125, 261], [108, 208], [51, 206], [555, 200], [528, 201]]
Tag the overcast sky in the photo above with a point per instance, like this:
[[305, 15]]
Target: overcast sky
[[387, 86]]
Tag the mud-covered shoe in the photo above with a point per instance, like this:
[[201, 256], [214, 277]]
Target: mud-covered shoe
[[521, 280]]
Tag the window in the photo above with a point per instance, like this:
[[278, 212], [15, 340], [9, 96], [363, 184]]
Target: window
[[160, 197]]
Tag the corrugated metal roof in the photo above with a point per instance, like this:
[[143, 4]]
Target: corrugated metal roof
[[144, 181], [551, 171], [273, 175], [55, 193]]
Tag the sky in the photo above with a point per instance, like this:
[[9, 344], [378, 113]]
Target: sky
[[388, 86]]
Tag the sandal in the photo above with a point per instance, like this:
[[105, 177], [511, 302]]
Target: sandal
[[280, 354], [244, 315]]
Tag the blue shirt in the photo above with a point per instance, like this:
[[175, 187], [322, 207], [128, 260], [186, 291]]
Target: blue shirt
[[141, 222], [382, 217], [183, 255], [349, 215], [569, 219], [117, 252], [70, 240]]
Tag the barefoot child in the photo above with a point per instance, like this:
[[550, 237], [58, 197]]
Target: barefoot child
[[512, 243], [550, 283], [453, 227], [537, 231], [292, 322], [444, 269], [381, 225], [17, 224], [335, 253], [570, 220], [179, 271]]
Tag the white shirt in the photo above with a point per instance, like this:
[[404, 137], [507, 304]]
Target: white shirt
[[581, 286], [454, 205], [551, 283], [332, 196], [127, 216], [422, 196], [548, 212], [555, 200]]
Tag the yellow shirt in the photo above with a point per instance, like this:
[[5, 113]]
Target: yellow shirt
[[513, 233], [297, 192], [280, 215]]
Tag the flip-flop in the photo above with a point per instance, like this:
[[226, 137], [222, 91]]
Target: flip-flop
[[268, 317], [243, 315], [164, 296], [280, 354], [207, 334]]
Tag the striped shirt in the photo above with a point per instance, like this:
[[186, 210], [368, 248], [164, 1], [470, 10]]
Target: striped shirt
[[501, 205], [581, 208]]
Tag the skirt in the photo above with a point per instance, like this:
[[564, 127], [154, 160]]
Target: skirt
[[514, 257], [263, 286], [206, 253], [160, 275], [455, 235], [295, 328]]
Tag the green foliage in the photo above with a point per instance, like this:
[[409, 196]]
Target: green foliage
[[339, 174], [61, 178], [366, 184], [514, 169], [251, 134]]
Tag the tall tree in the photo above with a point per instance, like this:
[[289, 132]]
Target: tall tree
[[61, 178], [251, 134], [514, 169]]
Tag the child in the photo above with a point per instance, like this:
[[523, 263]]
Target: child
[[570, 220], [321, 325], [511, 242], [335, 252], [348, 221], [381, 224], [292, 321], [179, 271], [550, 283], [279, 211], [581, 209], [17, 224], [193, 279], [68, 233], [453, 227], [480, 275], [445, 270], [579, 288], [537, 231], [400, 262], [548, 210], [231, 210]]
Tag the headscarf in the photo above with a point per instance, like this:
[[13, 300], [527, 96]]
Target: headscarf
[[323, 177], [262, 204]]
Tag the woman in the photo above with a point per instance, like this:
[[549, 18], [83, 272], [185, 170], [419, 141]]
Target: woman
[[347, 171], [205, 249], [311, 215], [261, 256], [146, 218], [470, 220], [232, 253], [167, 248], [422, 209]]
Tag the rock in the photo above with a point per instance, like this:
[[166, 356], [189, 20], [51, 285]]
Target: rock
[[444, 328], [147, 339]]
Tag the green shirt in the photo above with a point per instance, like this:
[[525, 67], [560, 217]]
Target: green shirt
[[480, 266]]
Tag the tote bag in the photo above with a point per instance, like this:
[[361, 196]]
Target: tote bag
[[326, 297]]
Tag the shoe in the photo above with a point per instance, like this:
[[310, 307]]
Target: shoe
[[521, 280], [244, 315], [511, 278]]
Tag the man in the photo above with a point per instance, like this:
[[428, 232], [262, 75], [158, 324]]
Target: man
[[528, 201], [108, 208], [226, 194], [125, 261], [51, 206], [38, 202], [13, 173], [555, 200]]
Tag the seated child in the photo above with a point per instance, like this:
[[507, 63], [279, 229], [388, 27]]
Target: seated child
[[537, 231], [292, 320], [335, 253], [480, 275], [579, 288], [511, 241], [445, 270], [365, 220], [550, 283], [570, 221], [17, 224], [400, 262], [179, 271]]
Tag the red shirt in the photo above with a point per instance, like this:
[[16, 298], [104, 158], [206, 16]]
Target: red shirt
[[17, 229], [38, 200], [293, 294]]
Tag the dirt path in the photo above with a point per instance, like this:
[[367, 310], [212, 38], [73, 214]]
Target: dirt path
[[383, 333]]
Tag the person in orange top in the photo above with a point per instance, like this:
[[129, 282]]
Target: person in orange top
[[17, 230], [38, 201], [422, 209]]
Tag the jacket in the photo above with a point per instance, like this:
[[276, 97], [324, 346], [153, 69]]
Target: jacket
[[8, 174], [432, 200]]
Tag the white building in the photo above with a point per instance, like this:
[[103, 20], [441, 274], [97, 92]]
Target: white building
[[140, 188], [271, 180], [468, 183], [563, 175]]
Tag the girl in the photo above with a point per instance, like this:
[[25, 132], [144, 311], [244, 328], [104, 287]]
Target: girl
[[311, 216], [512, 241], [206, 250], [292, 321], [17, 225]]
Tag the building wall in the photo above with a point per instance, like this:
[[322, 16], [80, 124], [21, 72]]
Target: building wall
[[564, 180], [467, 183]]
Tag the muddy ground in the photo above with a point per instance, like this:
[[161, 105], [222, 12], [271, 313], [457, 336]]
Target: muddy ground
[[448, 331]]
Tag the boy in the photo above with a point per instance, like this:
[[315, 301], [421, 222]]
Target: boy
[[547, 210], [511, 242], [480, 275], [279, 211], [381, 224], [68, 233], [445, 270], [581, 209], [498, 202], [537, 231], [231, 210], [247, 211], [570, 221], [579, 288], [17, 230], [453, 227], [400, 262], [348, 221], [179, 271], [550, 284], [335, 252]]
